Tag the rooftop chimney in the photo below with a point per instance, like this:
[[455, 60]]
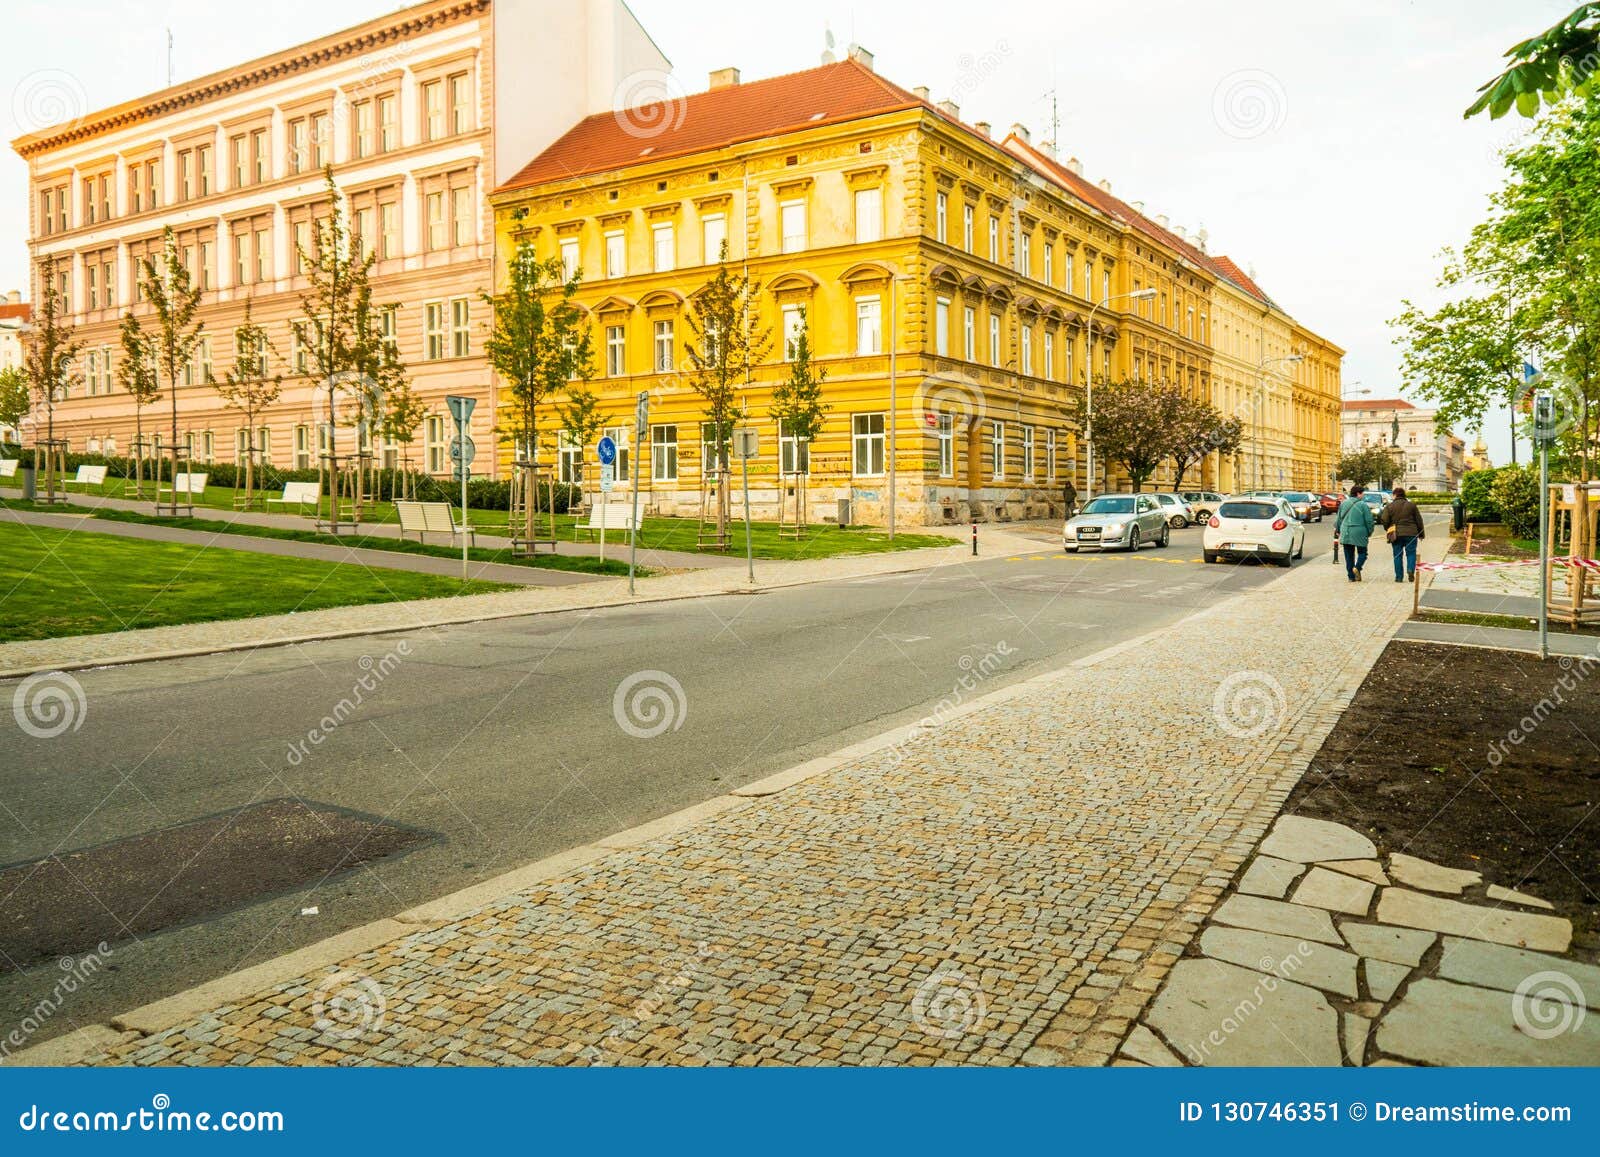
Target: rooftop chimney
[[1075, 166], [982, 127], [1200, 239], [920, 92], [861, 56], [1138, 207], [1020, 131], [14, 297], [1105, 185], [1163, 221], [1048, 148], [1182, 236], [950, 109], [725, 78]]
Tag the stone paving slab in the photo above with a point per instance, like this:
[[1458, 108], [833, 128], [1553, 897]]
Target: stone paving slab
[[1008, 888], [1440, 1023], [1512, 969], [1500, 925]]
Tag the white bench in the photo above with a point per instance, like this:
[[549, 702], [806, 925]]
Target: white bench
[[610, 516], [425, 518], [299, 494], [88, 476], [8, 467], [191, 484]]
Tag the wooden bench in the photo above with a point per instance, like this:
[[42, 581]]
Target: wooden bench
[[299, 494], [610, 516], [8, 467], [425, 518], [88, 476]]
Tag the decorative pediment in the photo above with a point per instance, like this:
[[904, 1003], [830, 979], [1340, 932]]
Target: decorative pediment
[[569, 228], [794, 281], [793, 187], [664, 211], [662, 299], [944, 274], [867, 175], [614, 304], [866, 271], [714, 203], [614, 220]]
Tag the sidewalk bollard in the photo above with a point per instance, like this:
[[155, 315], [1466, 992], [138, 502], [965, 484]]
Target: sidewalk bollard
[[974, 538]]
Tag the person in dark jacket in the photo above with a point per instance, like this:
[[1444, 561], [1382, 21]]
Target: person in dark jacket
[[1069, 496], [1403, 521]]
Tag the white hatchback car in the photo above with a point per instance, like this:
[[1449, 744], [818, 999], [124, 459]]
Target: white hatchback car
[[1263, 528]]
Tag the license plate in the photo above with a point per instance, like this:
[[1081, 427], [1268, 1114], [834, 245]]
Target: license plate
[[1089, 532]]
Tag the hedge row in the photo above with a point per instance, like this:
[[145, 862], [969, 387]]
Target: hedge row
[[482, 493]]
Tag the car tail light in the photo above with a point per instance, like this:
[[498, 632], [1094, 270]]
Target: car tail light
[[1280, 524], [1215, 522]]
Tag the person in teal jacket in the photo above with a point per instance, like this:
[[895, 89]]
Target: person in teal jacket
[[1352, 527]]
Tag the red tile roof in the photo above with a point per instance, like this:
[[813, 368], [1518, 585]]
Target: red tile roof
[[1380, 404], [1239, 277], [24, 310], [715, 119]]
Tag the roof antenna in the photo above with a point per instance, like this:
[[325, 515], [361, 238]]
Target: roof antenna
[[170, 75], [827, 39]]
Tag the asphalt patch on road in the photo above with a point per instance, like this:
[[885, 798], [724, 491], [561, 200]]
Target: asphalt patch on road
[[71, 902]]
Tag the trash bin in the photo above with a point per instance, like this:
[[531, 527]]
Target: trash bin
[[845, 512], [30, 482], [1458, 515]]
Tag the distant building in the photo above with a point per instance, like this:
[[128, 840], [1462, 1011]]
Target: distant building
[[1479, 458], [14, 315], [1433, 461]]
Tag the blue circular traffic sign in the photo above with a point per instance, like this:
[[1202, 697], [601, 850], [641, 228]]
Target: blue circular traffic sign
[[607, 450]]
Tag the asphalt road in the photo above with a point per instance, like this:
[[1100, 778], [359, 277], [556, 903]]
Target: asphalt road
[[502, 740]]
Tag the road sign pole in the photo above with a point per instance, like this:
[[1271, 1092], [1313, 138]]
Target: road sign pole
[[1543, 420], [749, 551], [462, 452], [641, 427]]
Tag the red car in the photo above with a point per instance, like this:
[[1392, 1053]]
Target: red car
[[1330, 503]]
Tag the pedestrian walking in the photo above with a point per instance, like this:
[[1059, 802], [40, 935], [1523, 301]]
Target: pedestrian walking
[[1069, 495], [1353, 527], [1402, 523]]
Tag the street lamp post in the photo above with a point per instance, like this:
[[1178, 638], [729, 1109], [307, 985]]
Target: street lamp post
[[1088, 376], [1261, 386]]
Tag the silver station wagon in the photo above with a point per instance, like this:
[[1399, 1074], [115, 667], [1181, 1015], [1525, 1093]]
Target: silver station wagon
[[1117, 521]]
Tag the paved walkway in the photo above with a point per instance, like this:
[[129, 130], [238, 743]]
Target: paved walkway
[[18, 659], [289, 548], [1003, 885], [1500, 638]]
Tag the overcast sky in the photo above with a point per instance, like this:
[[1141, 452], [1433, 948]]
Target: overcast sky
[[1321, 144]]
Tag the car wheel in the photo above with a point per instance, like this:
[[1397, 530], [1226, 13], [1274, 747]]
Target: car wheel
[[1166, 537], [1133, 539], [1211, 555], [1177, 522]]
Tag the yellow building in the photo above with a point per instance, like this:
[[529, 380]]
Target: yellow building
[[948, 280]]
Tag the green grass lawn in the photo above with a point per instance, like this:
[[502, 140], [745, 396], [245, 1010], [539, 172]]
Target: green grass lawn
[[822, 540], [58, 582]]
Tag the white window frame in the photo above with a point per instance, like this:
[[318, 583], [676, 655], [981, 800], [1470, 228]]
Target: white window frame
[[1049, 355], [616, 351], [794, 454], [792, 319], [869, 214], [869, 325], [969, 332], [793, 225], [945, 433], [1029, 472], [1050, 454], [616, 253], [663, 247], [433, 443], [867, 434], [662, 341], [571, 259], [968, 223], [941, 218], [1026, 335], [433, 331], [664, 453], [997, 450], [994, 339], [713, 228], [941, 326]]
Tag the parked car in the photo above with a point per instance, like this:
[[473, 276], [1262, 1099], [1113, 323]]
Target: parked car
[[1179, 513], [1330, 503], [1251, 527], [1202, 502], [1377, 499], [1116, 520], [1307, 507]]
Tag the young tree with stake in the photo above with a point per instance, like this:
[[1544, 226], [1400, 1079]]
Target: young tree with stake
[[48, 362], [136, 374], [249, 388], [175, 299], [799, 409]]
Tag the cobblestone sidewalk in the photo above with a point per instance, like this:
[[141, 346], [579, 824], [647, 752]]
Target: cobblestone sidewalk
[[1009, 886]]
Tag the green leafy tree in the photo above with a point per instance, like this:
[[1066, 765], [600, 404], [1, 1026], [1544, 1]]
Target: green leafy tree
[[1380, 464], [1477, 492], [1561, 61], [539, 343], [1200, 429], [403, 412], [136, 374], [1134, 424], [1516, 495], [49, 355], [175, 300], [249, 386], [582, 421], [726, 340], [15, 399], [799, 409]]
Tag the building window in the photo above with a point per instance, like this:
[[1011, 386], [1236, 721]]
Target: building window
[[794, 454], [388, 123], [792, 221], [239, 154], [616, 254], [941, 326], [994, 239], [997, 450], [1027, 453], [664, 247], [1049, 263], [258, 156], [299, 144], [364, 138], [966, 228], [663, 347], [793, 321], [869, 326], [460, 103], [568, 247], [994, 339], [869, 215], [941, 217], [713, 236], [1025, 256], [262, 251], [1050, 455], [433, 330], [969, 333], [433, 111], [1105, 285], [866, 438], [460, 328], [437, 231], [1049, 356], [92, 282], [946, 432], [569, 458], [461, 223], [302, 447], [1068, 271], [664, 453], [616, 352], [433, 444]]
